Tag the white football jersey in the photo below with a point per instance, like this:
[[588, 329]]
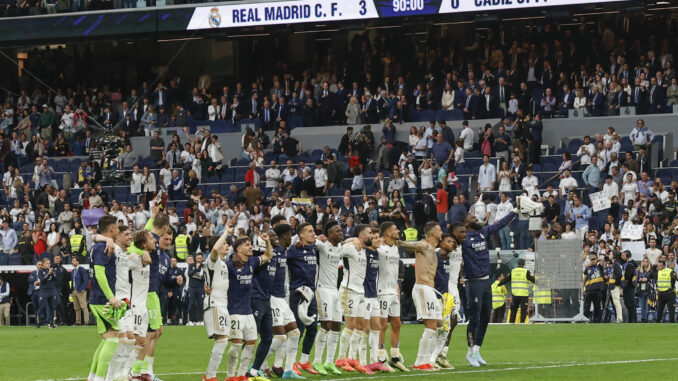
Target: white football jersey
[[389, 264], [455, 265], [216, 277], [140, 276], [355, 265], [329, 259], [122, 285]]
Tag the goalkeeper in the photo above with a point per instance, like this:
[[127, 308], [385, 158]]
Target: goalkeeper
[[105, 307], [441, 283]]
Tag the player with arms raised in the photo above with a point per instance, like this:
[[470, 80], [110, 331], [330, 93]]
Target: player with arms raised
[[426, 303]]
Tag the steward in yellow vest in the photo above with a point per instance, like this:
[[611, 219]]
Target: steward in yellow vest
[[520, 280], [498, 300], [181, 246], [77, 242], [411, 234], [666, 297]]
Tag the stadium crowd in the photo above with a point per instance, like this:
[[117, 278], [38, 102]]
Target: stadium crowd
[[520, 76]]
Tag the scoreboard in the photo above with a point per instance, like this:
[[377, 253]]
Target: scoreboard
[[309, 11]]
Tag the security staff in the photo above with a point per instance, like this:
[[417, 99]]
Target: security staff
[[175, 285], [411, 234], [628, 285], [498, 300], [520, 289], [594, 284], [542, 297], [196, 289], [181, 245], [614, 280], [666, 296], [77, 245]]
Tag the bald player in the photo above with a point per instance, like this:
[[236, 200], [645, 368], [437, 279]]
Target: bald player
[[429, 309]]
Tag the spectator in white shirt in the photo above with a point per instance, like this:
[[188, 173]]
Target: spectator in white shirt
[[610, 188], [272, 175], [135, 185], [487, 174], [504, 208], [467, 136], [640, 135], [568, 182], [586, 150], [165, 176], [320, 178], [529, 183], [397, 183], [290, 176]]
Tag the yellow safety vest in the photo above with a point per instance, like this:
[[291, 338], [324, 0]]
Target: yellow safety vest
[[541, 296], [519, 284], [181, 246], [498, 295], [664, 280], [411, 234], [76, 243]]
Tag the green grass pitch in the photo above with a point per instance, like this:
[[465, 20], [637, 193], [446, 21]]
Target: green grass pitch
[[514, 352]]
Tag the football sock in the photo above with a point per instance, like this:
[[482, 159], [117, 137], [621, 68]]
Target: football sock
[[374, 346], [362, 349], [320, 343], [105, 356], [215, 357], [233, 353], [245, 359], [354, 344], [346, 336], [332, 341], [277, 342], [291, 348]]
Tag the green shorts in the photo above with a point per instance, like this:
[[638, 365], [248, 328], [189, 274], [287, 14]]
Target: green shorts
[[154, 312], [103, 322]]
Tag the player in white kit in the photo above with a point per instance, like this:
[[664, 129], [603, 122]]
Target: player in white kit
[[456, 261], [352, 298], [327, 297], [140, 276], [215, 303], [388, 293]]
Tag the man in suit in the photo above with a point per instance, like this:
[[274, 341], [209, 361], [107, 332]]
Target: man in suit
[[346, 141], [108, 118], [254, 106], [355, 92], [654, 64], [128, 125], [655, 98], [80, 279], [326, 104], [639, 97], [460, 95], [626, 72], [467, 106], [502, 94], [524, 97], [619, 100], [160, 96], [267, 117], [294, 105], [340, 102], [380, 184], [596, 102], [280, 111], [369, 110], [475, 104], [126, 110], [566, 101], [489, 104]]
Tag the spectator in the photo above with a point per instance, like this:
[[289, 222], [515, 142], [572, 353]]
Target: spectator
[[157, 147], [9, 242], [641, 136], [487, 175], [567, 183], [5, 302], [581, 214], [591, 176]]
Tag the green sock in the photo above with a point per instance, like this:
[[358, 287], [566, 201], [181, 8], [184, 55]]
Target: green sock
[[138, 366], [106, 355], [95, 359]]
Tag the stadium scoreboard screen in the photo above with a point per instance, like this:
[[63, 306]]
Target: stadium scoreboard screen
[[309, 11]]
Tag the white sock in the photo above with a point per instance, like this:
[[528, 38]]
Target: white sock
[[276, 343], [470, 350], [374, 346], [98, 378], [354, 345], [320, 342], [362, 350], [439, 344], [332, 341], [131, 358], [445, 350], [476, 348], [395, 353], [91, 376], [382, 355], [119, 359], [425, 343], [304, 358], [149, 360], [215, 358], [291, 347], [344, 342], [233, 353], [245, 359]]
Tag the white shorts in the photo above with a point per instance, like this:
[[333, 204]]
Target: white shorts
[[282, 314], [126, 324], [370, 308], [352, 304], [140, 321], [426, 302], [217, 321], [329, 308], [243, 327], [389, 306]]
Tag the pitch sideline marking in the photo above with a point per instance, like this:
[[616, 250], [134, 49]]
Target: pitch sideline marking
[[555, 365]]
